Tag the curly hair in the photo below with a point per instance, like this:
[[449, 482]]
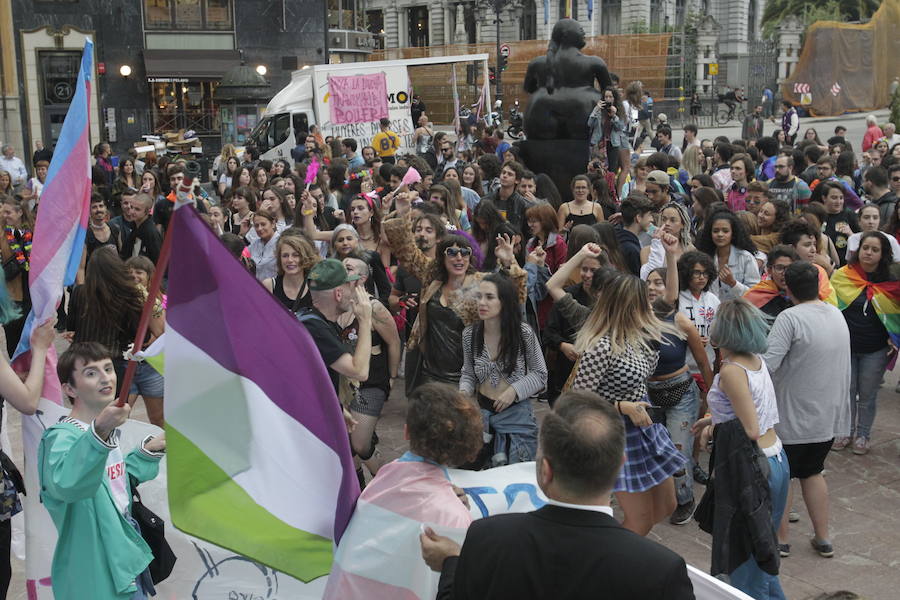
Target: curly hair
[[686, 265], [793, 230], [443, 425], [739, 236], [308, 254]]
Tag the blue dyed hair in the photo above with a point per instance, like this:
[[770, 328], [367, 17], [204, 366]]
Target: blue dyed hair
[[8, 309], [740, 327]]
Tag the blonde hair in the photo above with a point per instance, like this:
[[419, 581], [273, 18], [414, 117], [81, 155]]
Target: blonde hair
[[623, 314], [751, 223], [691, 160]]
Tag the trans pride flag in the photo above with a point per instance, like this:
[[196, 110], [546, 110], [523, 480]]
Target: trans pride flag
[[258, 453], [61, 222]]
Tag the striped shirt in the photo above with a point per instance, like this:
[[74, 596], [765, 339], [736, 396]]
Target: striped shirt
[[528, 378]]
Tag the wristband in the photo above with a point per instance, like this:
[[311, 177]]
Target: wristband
[[619, 408], [308, 212]]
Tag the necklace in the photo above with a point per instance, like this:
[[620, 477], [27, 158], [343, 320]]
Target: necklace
[[20, 250]]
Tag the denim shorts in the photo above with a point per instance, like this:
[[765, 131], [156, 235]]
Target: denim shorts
[[147, 382]]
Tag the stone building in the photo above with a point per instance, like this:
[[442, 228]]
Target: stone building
[[402, 23]]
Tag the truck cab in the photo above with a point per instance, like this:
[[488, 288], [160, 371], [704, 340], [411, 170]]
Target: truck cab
[[288, 118]]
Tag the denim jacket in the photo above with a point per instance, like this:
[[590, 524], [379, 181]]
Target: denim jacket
[[617, 136], [746, 274]]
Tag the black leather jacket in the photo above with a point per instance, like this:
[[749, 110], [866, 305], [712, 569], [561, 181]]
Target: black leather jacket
[[737, 506]]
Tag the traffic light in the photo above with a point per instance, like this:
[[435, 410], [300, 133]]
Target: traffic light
[[502, 62], [492, 73]]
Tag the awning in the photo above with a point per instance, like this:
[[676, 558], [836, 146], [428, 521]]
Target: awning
[[189, 64]]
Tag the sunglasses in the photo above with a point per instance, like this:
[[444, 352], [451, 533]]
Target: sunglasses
[[453, 252]]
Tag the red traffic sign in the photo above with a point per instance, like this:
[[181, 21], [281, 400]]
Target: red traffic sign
[[505, 50]]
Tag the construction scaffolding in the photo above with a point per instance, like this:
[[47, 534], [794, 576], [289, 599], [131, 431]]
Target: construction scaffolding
[[644, 57]]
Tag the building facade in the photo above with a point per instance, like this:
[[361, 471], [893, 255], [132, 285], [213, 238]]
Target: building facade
[[404, 23], [158, 62]]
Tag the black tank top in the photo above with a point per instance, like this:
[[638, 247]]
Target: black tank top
[[304, 300], [378, 365], [588, 219]]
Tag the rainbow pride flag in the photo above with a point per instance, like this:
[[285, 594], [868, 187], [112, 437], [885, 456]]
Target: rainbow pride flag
[[850, 281], [62, 220], [258, 452]]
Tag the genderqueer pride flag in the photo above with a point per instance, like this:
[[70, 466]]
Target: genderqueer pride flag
[[258, 453]]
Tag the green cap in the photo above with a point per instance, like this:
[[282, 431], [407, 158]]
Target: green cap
[[329, 274]]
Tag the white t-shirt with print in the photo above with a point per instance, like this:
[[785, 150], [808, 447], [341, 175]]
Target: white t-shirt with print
[[702, 312]]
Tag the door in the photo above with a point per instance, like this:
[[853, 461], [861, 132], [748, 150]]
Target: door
[[58, 76]]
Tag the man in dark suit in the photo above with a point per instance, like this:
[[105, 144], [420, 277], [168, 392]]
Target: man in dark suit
[[571, 548]]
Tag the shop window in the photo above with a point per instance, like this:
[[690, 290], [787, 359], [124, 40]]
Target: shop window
[[188, 14], [185, 105]]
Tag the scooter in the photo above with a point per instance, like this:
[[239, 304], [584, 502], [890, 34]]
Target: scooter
[[496, 117], [515, 122]]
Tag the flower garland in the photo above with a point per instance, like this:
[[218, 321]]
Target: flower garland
[[20, 250]]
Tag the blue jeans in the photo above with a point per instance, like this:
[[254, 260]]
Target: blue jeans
[[748, 577], [679, 420], [866, 374]]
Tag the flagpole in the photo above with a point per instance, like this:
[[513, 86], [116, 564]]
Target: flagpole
[[152, 294]]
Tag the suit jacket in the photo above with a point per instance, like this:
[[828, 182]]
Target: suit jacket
[[557, 552]]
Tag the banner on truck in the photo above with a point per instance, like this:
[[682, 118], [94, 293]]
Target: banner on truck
[[397, 98], [357, 98]]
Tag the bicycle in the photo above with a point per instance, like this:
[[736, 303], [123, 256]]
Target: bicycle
[[727, 114]]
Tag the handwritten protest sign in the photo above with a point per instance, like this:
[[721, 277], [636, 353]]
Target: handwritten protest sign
[[358, 98]]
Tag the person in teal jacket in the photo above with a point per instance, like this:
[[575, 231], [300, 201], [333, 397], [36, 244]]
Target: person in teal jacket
[[85, 485]]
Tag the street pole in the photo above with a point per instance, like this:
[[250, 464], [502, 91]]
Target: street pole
[[498, 4]]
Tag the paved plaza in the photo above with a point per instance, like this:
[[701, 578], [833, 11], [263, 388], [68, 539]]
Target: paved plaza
[[864, 490]]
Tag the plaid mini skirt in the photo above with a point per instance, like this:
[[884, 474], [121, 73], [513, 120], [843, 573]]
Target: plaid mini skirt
[[650, 458]]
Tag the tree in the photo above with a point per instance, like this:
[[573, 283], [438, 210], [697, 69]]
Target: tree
[[811, 11]]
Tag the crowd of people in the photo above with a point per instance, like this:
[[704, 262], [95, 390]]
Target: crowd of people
[[736, 290]]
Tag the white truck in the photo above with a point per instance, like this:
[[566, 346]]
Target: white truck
[[308, 100]]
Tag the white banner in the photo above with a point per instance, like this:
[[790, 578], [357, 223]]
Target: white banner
[[205, 571]]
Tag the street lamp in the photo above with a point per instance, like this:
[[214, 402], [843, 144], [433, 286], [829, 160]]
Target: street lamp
[[125, 71], [262, 70]]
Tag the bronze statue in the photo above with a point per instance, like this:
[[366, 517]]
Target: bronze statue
[[561, 85], [563, 94]]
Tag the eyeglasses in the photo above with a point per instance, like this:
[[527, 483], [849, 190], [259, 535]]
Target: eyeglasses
[[454, 252], [700, 274], [779, 268]]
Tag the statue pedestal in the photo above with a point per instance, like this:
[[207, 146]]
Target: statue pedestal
[[561, 160]]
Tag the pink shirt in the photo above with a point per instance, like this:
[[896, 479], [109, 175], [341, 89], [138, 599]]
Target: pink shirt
[[736, 199]]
